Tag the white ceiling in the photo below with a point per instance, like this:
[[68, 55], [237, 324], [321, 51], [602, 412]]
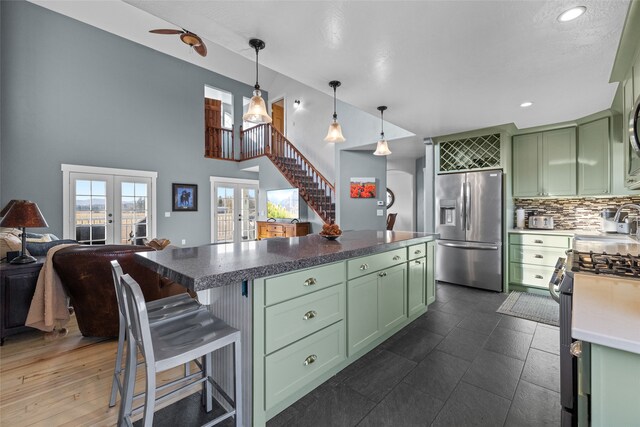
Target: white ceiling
[[440, 66]]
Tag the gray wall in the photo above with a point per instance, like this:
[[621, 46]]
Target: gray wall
[[74, 94], [360, 214]]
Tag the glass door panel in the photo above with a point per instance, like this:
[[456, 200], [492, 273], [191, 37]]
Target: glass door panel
[[133, 213], [225, 205], [92, 217], [248, 213]]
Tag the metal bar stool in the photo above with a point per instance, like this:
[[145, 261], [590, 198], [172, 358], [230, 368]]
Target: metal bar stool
[[158, 310], [171, 343]]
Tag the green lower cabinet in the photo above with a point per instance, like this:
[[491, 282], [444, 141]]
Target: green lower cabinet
[[417, 288], [431, 278], [377, 302], [615, 387]]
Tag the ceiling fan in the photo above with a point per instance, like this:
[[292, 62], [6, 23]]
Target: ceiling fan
[[187, 37]]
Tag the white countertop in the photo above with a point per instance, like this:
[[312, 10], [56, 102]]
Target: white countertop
[[606, 311], [569, 233]]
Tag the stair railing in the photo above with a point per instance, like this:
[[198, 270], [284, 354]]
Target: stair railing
[[253, 141]]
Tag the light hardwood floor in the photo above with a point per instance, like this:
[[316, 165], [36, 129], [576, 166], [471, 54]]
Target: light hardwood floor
[[63, 382]]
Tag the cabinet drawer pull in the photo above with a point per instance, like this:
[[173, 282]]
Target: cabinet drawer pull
[[310, 281], [382, 274], [537, 276], [309, 315], [396, 258], [538, 256], [309, 360], [418, 252], [364, 267], [418, 262], [538, 241]]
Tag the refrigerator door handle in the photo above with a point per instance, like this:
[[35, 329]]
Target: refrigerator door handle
[[463, 211], [467, 246], [467, 206]]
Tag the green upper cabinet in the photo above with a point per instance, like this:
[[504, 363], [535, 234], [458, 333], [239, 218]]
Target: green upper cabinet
[[526, 157], [544, 163], [594, 158], [559, 162]]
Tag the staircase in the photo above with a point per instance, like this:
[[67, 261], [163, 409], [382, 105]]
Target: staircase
[[314, 188]]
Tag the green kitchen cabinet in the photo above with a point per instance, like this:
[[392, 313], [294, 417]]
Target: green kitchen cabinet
[[544, 163], [430, 267], [527, 176], [417, 285], [594, 158], [615, 387], [376, 304]]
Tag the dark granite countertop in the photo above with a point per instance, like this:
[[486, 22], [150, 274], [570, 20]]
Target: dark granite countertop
[[210, 266]]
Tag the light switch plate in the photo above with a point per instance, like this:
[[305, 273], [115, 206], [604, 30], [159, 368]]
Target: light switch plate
[[167, 214], [380, 212], [380, 203]]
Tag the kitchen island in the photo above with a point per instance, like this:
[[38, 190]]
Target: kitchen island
[[307, 307]]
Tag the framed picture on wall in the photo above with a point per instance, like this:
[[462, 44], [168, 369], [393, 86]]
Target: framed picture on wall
[[363, 188], [185, 197]]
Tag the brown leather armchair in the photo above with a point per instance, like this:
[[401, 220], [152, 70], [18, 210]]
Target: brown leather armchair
[[85, 273]]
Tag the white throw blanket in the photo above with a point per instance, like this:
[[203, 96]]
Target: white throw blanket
[[49, 309]]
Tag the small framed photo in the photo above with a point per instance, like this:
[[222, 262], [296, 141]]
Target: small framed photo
[[363, 188], [185, 197]]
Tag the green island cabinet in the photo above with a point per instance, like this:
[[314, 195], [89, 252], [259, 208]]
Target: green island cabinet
[[594, 157], [544, 163], [608, 385], [310, 324], [532, 258]]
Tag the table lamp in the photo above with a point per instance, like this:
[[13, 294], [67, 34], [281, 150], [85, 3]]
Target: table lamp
[[22, 214]]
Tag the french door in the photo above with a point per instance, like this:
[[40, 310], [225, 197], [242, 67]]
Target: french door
[[235, 210], [106, 209]]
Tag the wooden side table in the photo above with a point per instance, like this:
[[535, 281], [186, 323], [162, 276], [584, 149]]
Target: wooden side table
[[17, 286]]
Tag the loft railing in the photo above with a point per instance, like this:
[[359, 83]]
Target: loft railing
[[253, 141], [219, 143]]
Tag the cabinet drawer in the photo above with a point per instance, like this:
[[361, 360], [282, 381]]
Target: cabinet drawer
[[418, 251], [290, 369], [530, 275], [535, 255], [294, 319], [303, 282], [275, 228], [541, 240], [368, 264]]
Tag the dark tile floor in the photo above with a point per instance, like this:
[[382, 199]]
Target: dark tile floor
[[460, 364]]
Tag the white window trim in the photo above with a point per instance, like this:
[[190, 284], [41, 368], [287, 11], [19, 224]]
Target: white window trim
[[216, 179], [67, 169]]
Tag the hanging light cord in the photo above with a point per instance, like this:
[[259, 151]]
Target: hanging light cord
[[335, 115], [257, 86], [382, 124]]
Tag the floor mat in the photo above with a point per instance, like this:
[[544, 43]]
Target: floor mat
[[539, 308]]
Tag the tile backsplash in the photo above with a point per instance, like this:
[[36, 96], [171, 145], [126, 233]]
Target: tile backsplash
[[572, 213]]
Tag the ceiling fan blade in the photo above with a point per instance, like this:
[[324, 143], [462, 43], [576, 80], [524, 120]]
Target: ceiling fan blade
[[166, 31], [201, 49]]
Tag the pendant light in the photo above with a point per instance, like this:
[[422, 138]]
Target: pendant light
[[335, 131], [257, 111], [383, 148]]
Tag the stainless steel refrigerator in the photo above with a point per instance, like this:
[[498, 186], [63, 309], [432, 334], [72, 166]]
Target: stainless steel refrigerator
[[469, 221]]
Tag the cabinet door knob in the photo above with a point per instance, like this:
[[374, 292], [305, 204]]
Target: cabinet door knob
[[538, 256], [310, 281], [364, 267], [418, 252], [396, 258], [538, 241], [576, 348], [309, 315], [537, 276], [418, 262], [382, 274], [310, 359]]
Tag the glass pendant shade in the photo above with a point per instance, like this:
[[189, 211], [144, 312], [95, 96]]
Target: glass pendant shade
[[257, 111], [335, 133], [382, 149]]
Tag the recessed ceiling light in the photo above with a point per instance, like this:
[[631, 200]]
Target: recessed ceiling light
[[571, 14], [526, 104]]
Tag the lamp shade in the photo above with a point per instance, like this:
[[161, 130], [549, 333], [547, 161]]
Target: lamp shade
[[23, 213], [257, 111], [335, 133], [382, 149], [4, 210]]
